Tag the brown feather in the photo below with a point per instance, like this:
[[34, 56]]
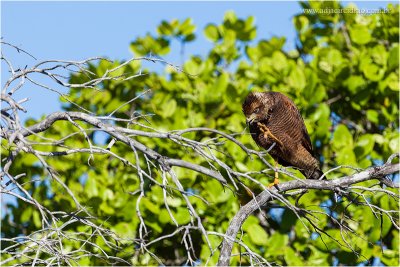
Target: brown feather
[[279, 115]]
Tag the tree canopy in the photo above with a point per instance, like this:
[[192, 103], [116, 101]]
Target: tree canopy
[[344, 77]]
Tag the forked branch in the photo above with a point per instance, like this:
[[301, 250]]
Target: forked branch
[[268, 195]]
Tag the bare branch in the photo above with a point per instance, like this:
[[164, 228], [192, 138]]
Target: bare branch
[[265, 196]]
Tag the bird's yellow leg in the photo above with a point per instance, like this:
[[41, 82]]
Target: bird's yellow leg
[[268, 133], [276, 179]]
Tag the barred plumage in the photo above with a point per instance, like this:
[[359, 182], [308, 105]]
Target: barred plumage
[[273, 117]]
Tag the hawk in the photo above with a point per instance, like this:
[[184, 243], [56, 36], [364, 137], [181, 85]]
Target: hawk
[[273, 118]]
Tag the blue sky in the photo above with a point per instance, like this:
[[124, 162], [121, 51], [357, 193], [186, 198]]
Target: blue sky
[[78, 30]]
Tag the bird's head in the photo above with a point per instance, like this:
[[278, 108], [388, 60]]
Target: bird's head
[[256, 107]]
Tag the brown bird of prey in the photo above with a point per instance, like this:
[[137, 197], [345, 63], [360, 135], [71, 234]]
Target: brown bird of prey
[[273, 118]]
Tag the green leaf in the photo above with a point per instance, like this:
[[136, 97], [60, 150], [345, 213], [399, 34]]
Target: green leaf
[[182, 216], [342, 137], [288, 220], [154, 208], [396, 239], [155, 226], [36, 219], [355, 83], [373, 72], [124, 230], [394, 144], [291, 258], [216, 193], [253, 53], [26, 215], [372, 115], [106, 208], [229, 40], [190, 37], [222, 83], [360, 34], [249, 222], [276, 242], [346, 156], [393, 81], [301, 23], [297, 79], [322, 112], [325, 66], [386, 223], [326, 243], [230, 16], [257, 234], [390, 257], [364, 145], [379, 55], [168, 108], [165, 28], [174, 202], [91, 188], [212, 33], [192, 67], [318, 258], [393, 58], [84, 261], [187, 27], [279, 60], [334, 57], [164, 217]]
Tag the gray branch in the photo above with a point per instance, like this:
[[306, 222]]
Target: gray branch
[[114, 131], [266, 196]]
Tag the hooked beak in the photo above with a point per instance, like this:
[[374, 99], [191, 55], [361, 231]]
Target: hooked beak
[[251, 119]]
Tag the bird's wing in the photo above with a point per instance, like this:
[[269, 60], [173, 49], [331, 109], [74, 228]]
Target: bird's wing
[[298, 123], [306, 141]]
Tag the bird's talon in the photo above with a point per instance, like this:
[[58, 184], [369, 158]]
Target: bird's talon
[[276, 125], [276, 181], [267, 133]]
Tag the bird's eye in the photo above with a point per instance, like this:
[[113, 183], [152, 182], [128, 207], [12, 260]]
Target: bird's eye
[[256, 110]]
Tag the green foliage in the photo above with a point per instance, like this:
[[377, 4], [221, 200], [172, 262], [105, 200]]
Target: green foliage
[[343, 76]]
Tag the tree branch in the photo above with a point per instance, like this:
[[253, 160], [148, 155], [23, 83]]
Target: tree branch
[[266, 196], [115, 131]]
